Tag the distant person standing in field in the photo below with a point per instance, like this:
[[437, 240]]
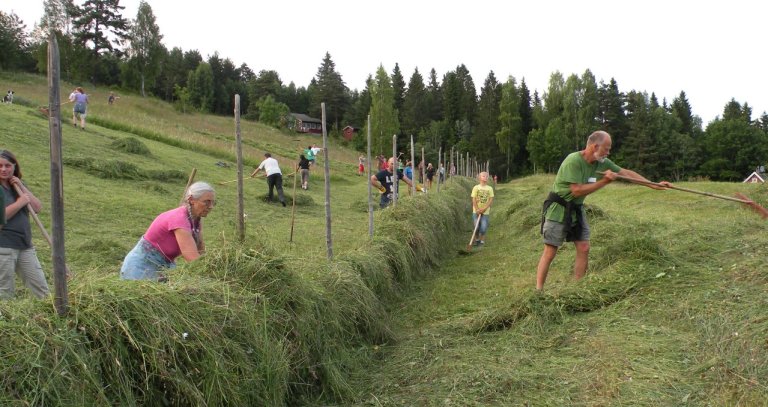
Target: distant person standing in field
[[360, 165], [274, 177], [111, 99], [310, 155], [315, 151], [174, 233], [482, 198], [430, 173], [384, 180], [81, 105], [303, 167], [441, 173], [17, 254], [563, 216]]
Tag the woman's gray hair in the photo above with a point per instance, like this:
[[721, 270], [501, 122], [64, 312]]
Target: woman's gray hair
[[197, 189]]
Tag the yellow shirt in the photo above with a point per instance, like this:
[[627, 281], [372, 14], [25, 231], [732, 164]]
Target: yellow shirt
[[483, 193]]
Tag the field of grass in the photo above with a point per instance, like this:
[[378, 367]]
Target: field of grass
[[672, 311]]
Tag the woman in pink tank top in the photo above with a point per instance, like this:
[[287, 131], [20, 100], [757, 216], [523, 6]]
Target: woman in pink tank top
[[172, 234]]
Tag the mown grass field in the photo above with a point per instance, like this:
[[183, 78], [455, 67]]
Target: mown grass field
[[672, 311]]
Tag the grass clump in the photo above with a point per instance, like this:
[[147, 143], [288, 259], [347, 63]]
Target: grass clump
[[131, 145], [117, 169]]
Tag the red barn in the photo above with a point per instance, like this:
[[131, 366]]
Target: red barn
[[349, 132]]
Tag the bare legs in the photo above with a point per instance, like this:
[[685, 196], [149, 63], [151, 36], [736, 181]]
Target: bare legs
[[579, 267]]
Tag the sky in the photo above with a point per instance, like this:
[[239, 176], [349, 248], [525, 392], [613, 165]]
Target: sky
[[710, 50]]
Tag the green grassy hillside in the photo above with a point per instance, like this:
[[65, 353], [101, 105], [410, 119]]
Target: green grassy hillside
[[672, 311]]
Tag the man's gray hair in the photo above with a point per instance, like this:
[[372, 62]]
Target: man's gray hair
[[197, 189], [597, 137]]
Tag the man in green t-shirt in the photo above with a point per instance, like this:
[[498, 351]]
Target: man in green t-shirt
[[564, 218]]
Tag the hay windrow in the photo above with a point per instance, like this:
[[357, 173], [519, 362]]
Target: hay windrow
[[117, 169], [131, 145]]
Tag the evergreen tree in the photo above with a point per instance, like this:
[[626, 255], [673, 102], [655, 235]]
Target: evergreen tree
[[589, 108], [548, 147], [415, 110], [682, 110], [571, 102], [398, 87], [611, 114], [526, 109], [510, 138], [434, 97], [384, 116], [483, 142], [96, 20], [330, 88], [146, 47]]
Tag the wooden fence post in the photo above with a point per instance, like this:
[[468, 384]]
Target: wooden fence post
[[61, 300], [239, 152], [328, 238], [370, 197], [395, 179], [413, 169]]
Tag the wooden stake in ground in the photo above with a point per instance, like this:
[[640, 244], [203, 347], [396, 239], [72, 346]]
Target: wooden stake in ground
[[61, 301], [239, 153], [368, 181], [395, 179], [327, 169], [413, 168], [293, 207]]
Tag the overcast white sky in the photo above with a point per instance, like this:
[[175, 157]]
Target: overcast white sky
[[714, 51]]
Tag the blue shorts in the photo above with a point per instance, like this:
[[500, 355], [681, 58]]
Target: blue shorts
[[144, 262]]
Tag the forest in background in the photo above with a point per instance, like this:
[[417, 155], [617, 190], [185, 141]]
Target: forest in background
[[517, 130]]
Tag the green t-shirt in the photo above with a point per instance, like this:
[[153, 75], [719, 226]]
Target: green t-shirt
[[309, 155], [575, 170], [483, 193]]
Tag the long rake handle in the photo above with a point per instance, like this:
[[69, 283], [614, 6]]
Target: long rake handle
[[693, 191], [40, 225], [474, 232]]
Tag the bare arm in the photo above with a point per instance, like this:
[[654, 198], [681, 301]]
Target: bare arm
[[632, 174], [189, 250], [579, 190]]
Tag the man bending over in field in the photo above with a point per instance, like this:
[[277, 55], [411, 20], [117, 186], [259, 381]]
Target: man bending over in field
[[563, 217]]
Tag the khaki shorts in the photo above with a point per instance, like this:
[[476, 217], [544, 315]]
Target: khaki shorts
[[554, 233]]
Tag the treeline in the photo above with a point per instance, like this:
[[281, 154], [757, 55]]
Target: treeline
[[517, 130]]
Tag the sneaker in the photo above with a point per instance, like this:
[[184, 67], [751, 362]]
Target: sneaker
[[482, 241], [283, 204], [477, 243]]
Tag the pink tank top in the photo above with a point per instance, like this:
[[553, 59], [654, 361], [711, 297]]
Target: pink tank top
[[161, 233]]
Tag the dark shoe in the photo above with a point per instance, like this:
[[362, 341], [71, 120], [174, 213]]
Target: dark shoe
[[283, 204]]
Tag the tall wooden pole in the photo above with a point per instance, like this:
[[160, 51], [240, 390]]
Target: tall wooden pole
[[451, 167], [423, 168], [328, 239], [370, 196], [240, 187], [439, 161], [413, 168], [61, 301], [395, 179], [467, 167]]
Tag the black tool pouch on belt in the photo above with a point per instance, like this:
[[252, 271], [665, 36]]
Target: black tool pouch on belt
[[571, 230]]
